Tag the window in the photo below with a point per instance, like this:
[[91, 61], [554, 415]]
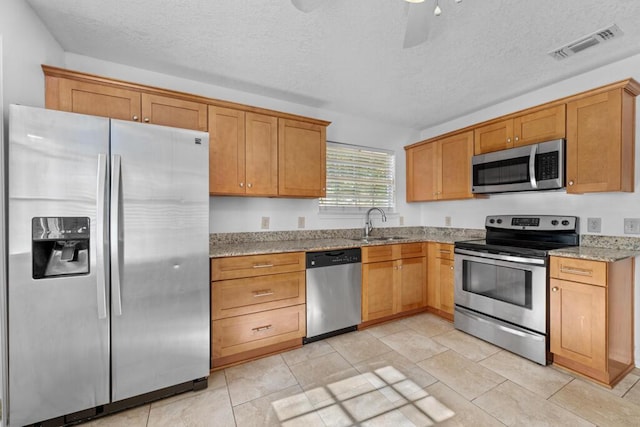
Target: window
[[359, 178]]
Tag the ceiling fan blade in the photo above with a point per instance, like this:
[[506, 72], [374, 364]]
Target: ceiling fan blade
[[417, 24], [307, 5]]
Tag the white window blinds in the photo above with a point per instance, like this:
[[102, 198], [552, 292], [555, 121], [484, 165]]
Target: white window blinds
[[358, 178]]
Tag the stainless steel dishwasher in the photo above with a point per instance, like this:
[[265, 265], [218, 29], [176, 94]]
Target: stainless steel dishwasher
[[333, 292]]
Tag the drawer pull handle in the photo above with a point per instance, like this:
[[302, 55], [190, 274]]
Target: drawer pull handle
[[578, 271], [445, 251], [262, 328], [262, 265], [262, 293]]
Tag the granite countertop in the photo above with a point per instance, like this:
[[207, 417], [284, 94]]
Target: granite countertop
[[236, 246], [593, 247], [595, 253]]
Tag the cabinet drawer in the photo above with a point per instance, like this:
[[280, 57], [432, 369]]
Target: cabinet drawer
[[250, 295], [256, 265], [579, 270], [412, 250], [379, 253], [243, 333], [442, 250]]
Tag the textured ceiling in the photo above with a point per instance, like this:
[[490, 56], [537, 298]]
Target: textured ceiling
[[347, 55]]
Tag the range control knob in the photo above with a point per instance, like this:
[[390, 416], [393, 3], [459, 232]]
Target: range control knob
[[565, 222], [492, 220], [499, 221], [554, 222]]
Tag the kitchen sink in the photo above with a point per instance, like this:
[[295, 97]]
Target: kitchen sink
[[379, 239]]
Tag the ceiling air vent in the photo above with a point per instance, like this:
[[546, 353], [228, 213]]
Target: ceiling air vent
[[586, 42]]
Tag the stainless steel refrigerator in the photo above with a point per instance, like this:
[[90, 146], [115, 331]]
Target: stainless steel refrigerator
[[108, 277]]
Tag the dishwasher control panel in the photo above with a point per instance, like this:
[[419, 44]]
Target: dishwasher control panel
[[334, 257]]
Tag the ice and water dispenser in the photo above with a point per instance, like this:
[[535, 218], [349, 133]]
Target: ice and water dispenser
[[60, 246]]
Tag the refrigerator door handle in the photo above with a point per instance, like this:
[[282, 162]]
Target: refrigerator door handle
[[101, 210], [116, 182]]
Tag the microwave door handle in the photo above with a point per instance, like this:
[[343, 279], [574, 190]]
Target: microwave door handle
[[532, 166]]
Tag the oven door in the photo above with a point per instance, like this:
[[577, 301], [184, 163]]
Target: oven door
[[510, 288]]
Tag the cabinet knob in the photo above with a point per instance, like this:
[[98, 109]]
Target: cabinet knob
[[555, 289], [146, 119], [451, 268], [249, 185], [508, 139], [517, 138], [135, 118], [571, 182], [241, 184]]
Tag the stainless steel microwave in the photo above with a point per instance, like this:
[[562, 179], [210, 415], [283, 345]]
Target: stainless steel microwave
[[527, 168]]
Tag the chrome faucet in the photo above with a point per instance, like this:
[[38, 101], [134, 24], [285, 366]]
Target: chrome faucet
[[368, 225]]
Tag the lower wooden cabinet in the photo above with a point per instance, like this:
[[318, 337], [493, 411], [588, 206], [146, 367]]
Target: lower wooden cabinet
[[440, 290], [591, 317], [394, 280], [257, 306]]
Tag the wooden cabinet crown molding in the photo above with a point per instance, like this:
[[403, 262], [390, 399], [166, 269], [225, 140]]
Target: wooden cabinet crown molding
[[62, 73], [628, 85]]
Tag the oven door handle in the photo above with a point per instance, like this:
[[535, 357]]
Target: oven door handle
[[501, 257], [532, 166]]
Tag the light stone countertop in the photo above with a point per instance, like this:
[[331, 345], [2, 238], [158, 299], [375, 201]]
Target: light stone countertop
[[595, 253], [223, 248], [593, 247]]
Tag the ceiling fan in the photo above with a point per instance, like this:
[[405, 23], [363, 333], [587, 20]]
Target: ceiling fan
[[417, 22]]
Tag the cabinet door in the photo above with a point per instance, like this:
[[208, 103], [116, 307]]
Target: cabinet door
[[595, 145], [540, 126], [578, 322], [301, 159], [493, 137], [445, 275], [440, 279], [454, 178], [422, 172], [174, 112], [378, 290], [96, 100], [226, 151], [261, 151], [413, 283]]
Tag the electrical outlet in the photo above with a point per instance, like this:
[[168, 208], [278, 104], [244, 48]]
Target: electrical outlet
[[594, 225], [447, 221], [401, 220], [632, 226], [301, 221], [265, 223]]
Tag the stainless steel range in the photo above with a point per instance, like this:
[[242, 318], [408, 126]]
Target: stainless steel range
[[501, 283]]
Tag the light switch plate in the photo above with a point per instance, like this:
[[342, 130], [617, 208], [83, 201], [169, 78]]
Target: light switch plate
[[301, 221], [447, 221], [265, 223], [632, 226], [594, 225]]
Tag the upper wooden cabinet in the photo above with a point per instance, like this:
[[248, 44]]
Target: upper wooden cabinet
[[177, 113], [70, 91], [243, 153], [440, 169], [302, 150], [600, 141], [537, 126], [252, 151]]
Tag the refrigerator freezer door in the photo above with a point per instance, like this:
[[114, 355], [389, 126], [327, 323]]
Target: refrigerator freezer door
[[160, 242], [58, 331]]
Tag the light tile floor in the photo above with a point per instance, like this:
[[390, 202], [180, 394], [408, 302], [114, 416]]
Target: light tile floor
[[415, 371]]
